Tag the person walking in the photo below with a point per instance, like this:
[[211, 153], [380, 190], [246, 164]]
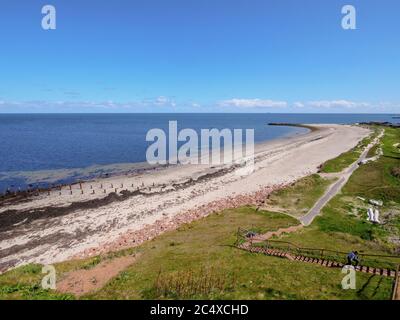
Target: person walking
[[353, 257]]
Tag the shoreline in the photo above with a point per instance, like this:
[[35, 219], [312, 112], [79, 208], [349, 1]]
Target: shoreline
[[120, 170], [58, 228], [53, 179]]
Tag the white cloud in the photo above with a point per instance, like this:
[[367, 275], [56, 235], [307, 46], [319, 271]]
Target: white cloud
[[298, 105], [166, 104], [346, 106], [160, 101], [252, 103], [38, 104], [329, 104], [163, 101]]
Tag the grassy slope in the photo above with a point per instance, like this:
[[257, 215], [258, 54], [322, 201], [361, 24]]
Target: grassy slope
[[343, 225], [206, 244], [349, 157], [299, 198]]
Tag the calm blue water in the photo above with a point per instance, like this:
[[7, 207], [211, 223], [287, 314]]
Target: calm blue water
[[34, 142]]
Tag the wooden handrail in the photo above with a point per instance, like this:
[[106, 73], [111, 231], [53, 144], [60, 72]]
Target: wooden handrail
[[396, 283], [337, 252], [324, 250]]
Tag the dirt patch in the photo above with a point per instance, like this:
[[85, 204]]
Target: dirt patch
[[396, 172], [270, 234], [81, 282]]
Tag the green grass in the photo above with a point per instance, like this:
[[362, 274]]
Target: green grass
[[343, 161], [206, 245], [299, 198], [202, 253], [25, 283], [391, 137], [375, 179], [373, 151], [340, 163], [343, 226]]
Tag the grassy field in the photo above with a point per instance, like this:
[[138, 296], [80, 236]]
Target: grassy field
[[347, 158], [343, 225], [297, 199], [373, 151], [198, 261]]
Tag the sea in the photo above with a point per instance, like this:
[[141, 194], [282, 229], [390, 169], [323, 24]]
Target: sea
[[38, 150]]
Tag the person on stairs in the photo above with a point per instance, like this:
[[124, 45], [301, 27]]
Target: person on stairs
[[352, 257]]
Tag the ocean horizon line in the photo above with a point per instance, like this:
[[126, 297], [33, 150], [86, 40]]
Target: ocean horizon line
[[147, 113]]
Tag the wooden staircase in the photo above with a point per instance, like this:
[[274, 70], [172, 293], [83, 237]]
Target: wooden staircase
[[320, 261]]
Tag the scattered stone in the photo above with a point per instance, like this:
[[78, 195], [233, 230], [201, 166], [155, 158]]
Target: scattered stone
[[378, 203], [149, 232]]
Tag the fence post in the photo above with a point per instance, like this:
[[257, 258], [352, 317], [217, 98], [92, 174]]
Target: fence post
[[396, 283]]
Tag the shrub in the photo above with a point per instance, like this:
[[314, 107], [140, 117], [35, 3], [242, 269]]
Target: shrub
[[396, 172]]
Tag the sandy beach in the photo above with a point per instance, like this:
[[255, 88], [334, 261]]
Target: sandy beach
[[123, 211]]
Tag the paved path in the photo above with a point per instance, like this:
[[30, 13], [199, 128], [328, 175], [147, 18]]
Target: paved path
[[337, 186]]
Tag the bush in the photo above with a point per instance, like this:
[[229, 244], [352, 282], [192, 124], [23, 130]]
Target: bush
[[396, 172]]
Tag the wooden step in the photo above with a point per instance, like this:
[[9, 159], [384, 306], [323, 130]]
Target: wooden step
[[320, 261]]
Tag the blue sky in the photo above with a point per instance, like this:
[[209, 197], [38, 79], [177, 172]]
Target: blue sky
[[200, 56]]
